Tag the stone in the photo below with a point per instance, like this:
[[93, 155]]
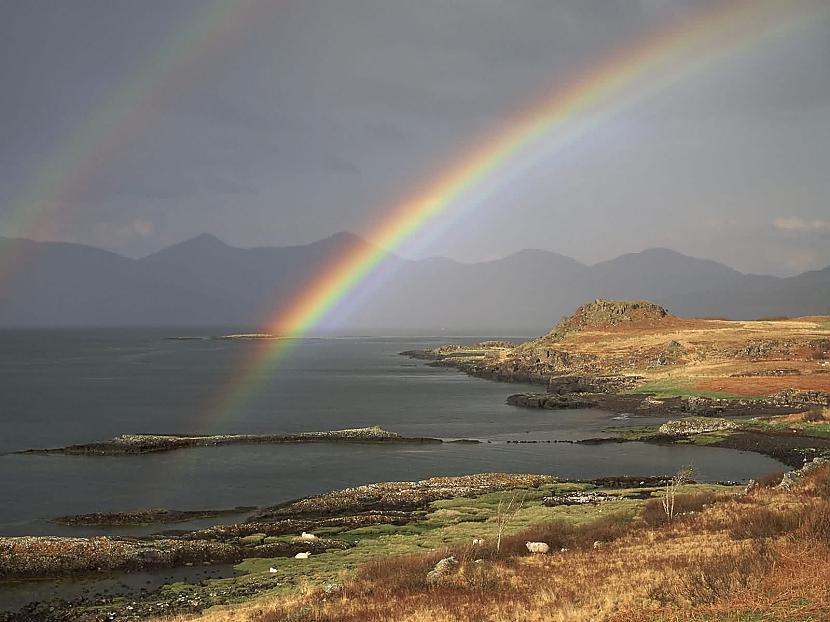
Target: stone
[[442, 569]]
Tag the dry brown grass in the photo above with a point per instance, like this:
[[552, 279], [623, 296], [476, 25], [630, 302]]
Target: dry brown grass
[[762, 556], [713, 352]]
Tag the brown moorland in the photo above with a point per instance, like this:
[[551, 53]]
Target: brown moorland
[[658, 352], [761, 555]]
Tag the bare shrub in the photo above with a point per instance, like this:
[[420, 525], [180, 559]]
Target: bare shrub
[[818, 482], [723, 573], [763, 522], [814, 415], [561, 534], [655, 515], [400, 572], [672, 488], [814, 525], [505, 513]]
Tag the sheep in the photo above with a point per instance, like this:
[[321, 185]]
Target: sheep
[[272, 570], [478, 541], [537, 547], [308, 537], [305, 555]]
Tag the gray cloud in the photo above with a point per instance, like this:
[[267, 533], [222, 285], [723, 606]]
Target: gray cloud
[[318, 116]]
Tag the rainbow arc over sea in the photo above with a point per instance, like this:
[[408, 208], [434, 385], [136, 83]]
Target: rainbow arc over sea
[[629, 76], [554, 120]]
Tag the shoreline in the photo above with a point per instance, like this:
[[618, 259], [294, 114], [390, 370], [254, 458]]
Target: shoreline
[[614, 394], [345, 521]]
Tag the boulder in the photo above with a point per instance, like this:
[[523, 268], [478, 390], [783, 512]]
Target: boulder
[[443, 568], [695, 425]]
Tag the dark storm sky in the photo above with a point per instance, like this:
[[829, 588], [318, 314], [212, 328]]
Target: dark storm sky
[[306, 118]]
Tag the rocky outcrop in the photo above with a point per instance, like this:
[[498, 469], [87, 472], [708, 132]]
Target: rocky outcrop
[[142, 517], [30, 557], [550, 401], [792, 479], [443, 568], [608, 313], [795, 397], [398, 496], [576, 498], [695, 425]]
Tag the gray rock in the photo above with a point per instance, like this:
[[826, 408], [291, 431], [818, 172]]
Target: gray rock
[[792, 479], [443, 568]]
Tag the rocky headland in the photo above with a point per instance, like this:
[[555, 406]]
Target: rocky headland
[[636, 358], [634, 355]]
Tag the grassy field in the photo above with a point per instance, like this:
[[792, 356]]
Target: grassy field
[[726, 555], [677, 387]]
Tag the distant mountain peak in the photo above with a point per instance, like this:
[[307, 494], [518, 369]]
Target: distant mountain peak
[[205, 239]]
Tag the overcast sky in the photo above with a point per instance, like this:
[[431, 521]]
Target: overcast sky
[[304, 118]]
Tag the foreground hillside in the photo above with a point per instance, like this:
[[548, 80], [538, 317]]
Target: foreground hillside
[[760, 554]]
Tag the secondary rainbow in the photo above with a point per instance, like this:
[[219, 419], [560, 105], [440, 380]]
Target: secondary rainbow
[[595, 94], [65, 177]]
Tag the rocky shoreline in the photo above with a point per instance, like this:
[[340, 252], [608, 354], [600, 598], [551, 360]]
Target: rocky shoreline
[[29, 557], [142, 518], [136, 444], [268, 534]]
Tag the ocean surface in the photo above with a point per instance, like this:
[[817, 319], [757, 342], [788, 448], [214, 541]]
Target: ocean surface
[[75, 386]]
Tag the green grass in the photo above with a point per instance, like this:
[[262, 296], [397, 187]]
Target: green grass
[[450, 521], [682, 388], [634, 433], [817, 429]]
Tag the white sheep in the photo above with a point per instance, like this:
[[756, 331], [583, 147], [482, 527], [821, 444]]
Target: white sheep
[[272, 570], [308, 537], [478, 541], [537, 547], [305, 555]]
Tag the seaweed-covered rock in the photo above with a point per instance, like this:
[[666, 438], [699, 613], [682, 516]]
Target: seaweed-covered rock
[[695, 425]]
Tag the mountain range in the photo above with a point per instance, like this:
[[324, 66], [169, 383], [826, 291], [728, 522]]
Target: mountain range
[[205, 282]]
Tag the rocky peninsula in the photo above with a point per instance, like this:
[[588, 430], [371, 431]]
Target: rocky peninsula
[[140, 518], [136, 444], [637, 359]]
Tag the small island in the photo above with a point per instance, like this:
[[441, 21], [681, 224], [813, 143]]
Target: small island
[[136, 444]]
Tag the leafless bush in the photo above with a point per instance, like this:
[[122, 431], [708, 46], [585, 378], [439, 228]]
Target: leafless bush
[[814, 524], [763, 522], [672, 488], [505, 513], [723, 574], [655, 514]]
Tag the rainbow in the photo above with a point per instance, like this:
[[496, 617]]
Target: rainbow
[[625, 78], [555, 120], [109, 128]]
